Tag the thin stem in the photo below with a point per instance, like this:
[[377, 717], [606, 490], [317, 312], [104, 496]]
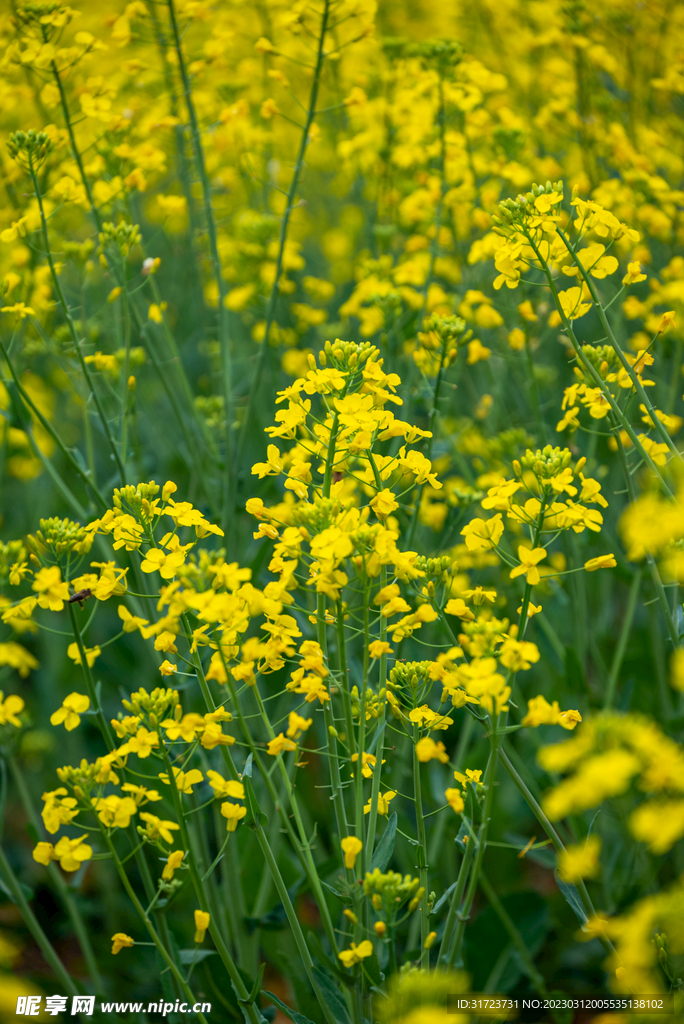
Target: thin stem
[[516, 938], [284, 895], [34, 927], [558, 844], [79, 925], [623, 639], [88, 677], [225, 341], [72, 327], [151, 931], [422, 855], [629, 369], [490, 781], [593, 372], [284, 224]]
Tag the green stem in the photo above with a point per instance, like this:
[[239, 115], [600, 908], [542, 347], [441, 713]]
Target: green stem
[[593, 372], [627, 621], [422, 855], [72, 328], [516, 938], [34, 927], [634, 377], [235, 977], [284, 895], [456, 899], [558, 844], [45, 423], [455, 955], [65, 894], [88, 677], [284, 224], [225, 341], [151, 931]]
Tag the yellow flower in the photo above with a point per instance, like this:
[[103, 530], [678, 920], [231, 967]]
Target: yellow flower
[[91, 654], [428, 750], [142, 744], [279, 744], [660, 823], [184, 780], [115, 811], [602, 562], [297, 725], [52, 592], [42, 853], [516, 339], [573, 302], [72, 706], [232, 813], [71, 853], [355, 954], [477, 352], [377, 648], [667, 320], [481, 534], [202, 922], [351, 847], [676, 669], [383, 504], [121, 941], [582, 861], [156, 828], [10, 708], [633, 275], [173, 862], [383, 802], [225, 787], [269, 108], [454, 798], [540, 712], [167, 668], [528, 564], [19, 309]]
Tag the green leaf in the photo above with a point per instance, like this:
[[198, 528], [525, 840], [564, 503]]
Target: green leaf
[[27, 892], [385, 848], [314, 944], [465, 830], [298, 1018], [573, 897], [443, 898], [247, 770], [188, 956], [256, 987], [331, 994], [371, 968]]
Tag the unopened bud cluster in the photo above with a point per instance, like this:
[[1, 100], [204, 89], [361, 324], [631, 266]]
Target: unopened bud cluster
[[59, 537], [513, 210], [29, 148], [545, 463]]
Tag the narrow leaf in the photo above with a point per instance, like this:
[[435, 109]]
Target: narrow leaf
[[292, 1015], [385, 848], [573, 897]]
